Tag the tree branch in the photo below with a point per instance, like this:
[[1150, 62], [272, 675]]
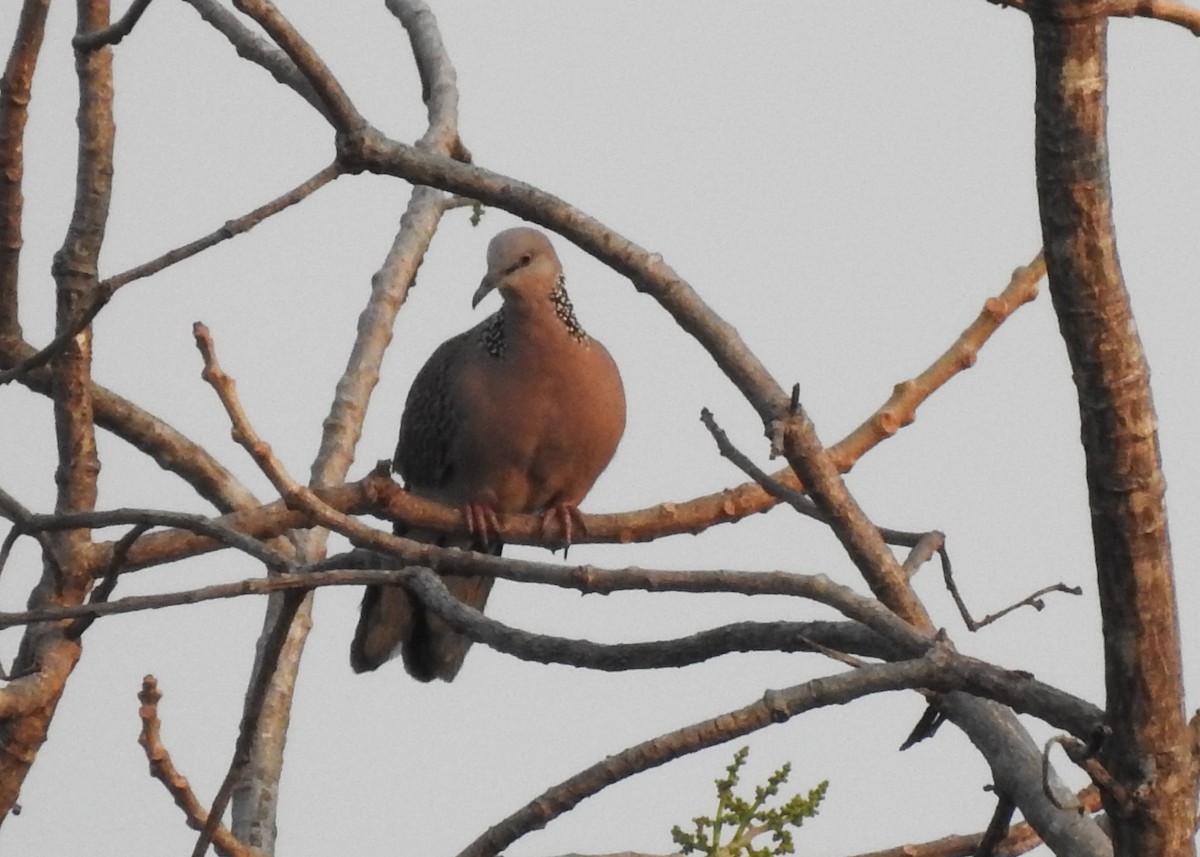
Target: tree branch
[[1020, 839], [113, 34], [64, 581], [774, 707], [254, 49], [254, 800], [1140, 619], [337, 105], [164, 770], [15, 91]]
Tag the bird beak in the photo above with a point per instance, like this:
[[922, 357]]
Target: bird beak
[[486, 286]]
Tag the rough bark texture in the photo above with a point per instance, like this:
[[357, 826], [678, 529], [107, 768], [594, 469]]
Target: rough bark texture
[[15, 90], [1148, 752], [49, 652]]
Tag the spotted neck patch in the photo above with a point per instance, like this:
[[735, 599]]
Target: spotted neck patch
[[493, 337], [566, 312]]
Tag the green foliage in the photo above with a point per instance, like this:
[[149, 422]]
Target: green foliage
[[749, 820]]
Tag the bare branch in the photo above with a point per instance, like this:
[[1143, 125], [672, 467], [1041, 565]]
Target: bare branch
[[340, 110], [212, 528], [46, 354], [1118, 428], [104, 589], [168, 447], [774, 707], [254, 49], [113, 34], [900, 410], [439, 82], [231, 229], [164, 770], [15, 90], [74, 270]]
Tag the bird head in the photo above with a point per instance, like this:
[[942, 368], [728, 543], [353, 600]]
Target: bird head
[[522, 264]]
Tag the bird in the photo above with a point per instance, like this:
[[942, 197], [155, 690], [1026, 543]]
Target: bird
[[519, 414]]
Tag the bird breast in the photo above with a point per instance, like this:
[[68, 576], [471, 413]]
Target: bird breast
[[547, 422]]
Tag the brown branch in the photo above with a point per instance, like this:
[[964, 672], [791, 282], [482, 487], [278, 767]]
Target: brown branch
[[105, 290], [254, 801], [168, 447], [901, 408], [65, 581], [278, 625], [1126, 488], [254, 49], [230, 229], [113, 34], [673, 518], [189, 523], [859, 537], [104, 589], [1012, 758], [164, 770], [15, 91], [46, 354], [1180, 14], [341, 112]]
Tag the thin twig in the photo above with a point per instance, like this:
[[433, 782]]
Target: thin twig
[[1021, 838], [230, 229], [923, 545], [164, 770], [105, 290], [213, 528], [44, 355], [998, 827], [114, 33], [108, 582], [24, 524], [793, 497]]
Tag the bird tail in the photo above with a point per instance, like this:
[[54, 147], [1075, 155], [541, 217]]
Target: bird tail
[[393, 622]]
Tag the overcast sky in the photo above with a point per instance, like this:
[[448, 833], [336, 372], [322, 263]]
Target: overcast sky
[[845, 183]]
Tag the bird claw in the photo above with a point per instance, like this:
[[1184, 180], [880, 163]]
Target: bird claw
[[482, 524], [570, 519]]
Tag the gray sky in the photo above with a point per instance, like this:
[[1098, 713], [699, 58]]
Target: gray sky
[[845, 183]]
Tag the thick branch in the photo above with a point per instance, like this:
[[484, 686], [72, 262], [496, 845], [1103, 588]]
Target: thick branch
[[1143, 666], [15, 90], [254, 801], [65, 580]]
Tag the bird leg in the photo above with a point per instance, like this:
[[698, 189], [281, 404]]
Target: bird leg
[[569, 518], [482, 524]]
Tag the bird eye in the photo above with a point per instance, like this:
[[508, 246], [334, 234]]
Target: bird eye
[[525, 260]]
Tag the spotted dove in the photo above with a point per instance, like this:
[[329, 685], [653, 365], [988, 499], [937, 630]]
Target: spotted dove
[[519, 414]]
